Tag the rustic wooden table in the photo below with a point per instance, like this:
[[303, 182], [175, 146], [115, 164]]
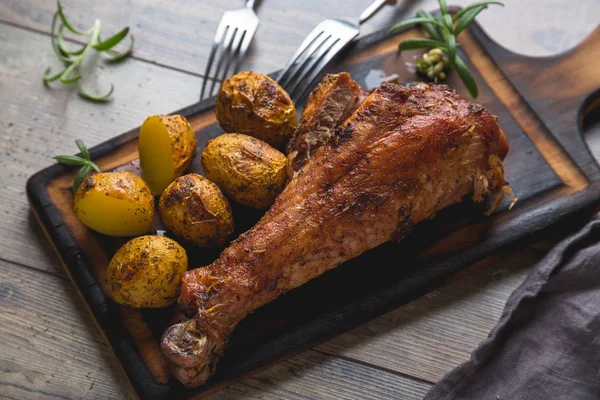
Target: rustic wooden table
[[51, 349]]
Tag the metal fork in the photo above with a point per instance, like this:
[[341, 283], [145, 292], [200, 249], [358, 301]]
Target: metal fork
[[234, 34], [320, 47]]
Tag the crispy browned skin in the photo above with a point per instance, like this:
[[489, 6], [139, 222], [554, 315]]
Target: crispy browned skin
[[330, 103], [402, 156]]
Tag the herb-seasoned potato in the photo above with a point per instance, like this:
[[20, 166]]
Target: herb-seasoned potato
[[167, 146], [256, 105], [146, 272], [248, 170], [115, 204], [195, 209]]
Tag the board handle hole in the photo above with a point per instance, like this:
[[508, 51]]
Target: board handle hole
[[589, 123]]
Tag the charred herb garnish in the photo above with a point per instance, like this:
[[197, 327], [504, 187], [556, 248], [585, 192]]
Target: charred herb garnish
[[72, 58], [85, 162], [443, 30]]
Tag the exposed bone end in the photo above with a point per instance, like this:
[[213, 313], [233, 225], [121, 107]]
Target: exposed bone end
[[193, 350], [192, 377]]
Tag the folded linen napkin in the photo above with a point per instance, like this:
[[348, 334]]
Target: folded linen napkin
[[546, 345]]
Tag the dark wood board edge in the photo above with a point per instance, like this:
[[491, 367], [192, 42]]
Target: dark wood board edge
[[72, 260], [504, 58], [354, 314], [126, 353]]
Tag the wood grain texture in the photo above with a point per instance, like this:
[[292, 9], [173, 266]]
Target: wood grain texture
[[40, 123], [556, 103], [313, 375], [50, 346], [179, 34], [51, 350], [313, 312], [31, 117], [429, 336], [31, 120]]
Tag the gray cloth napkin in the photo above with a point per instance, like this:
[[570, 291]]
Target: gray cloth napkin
[[547, 342]]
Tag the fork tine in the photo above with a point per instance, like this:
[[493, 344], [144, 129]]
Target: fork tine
[[221, 29], [312, 36], [233, 56], [318, 68], [313, 62], [241, 51], [296, 68], [225, 49]]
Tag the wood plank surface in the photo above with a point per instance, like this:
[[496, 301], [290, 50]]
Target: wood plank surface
[[179, 33], [52, 350], [517, 171], [431, 335], [313, 375], [50, 347], [43, 122]]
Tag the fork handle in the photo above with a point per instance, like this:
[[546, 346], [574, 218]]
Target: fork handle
[[249, 4], [373, 8]]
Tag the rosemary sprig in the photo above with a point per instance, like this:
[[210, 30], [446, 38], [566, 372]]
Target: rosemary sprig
[[443, 30], [85, 162], [73, 58]]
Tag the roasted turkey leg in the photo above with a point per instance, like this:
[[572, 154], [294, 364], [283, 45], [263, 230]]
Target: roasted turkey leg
[[402, 156]]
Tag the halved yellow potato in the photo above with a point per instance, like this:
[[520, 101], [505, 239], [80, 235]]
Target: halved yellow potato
[[115, 204], [167, 146]]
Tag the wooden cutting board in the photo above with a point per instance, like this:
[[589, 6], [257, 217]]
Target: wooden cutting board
[[542, 105]]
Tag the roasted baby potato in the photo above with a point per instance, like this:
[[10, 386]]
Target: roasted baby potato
[[195, 209], [248, 170], [115, 204], [167, 146], [146, 272], [256, 105]]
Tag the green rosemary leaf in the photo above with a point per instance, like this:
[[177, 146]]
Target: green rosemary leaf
[[414, 44], [68, 81], [54, 41], [440, 19], [443, 7], [451, 41], [51, 78], [467, 18], [66, 23], [412, 21], [443, 30], [84, 151], [463, 11], [80, 176], [466, 76], [431, 28], [118, 56], [75, 161], [63, 46], [73, 58], [98, 99], [94, 166], [447, 22], [71, 161], [64, 79], [112, 41]]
